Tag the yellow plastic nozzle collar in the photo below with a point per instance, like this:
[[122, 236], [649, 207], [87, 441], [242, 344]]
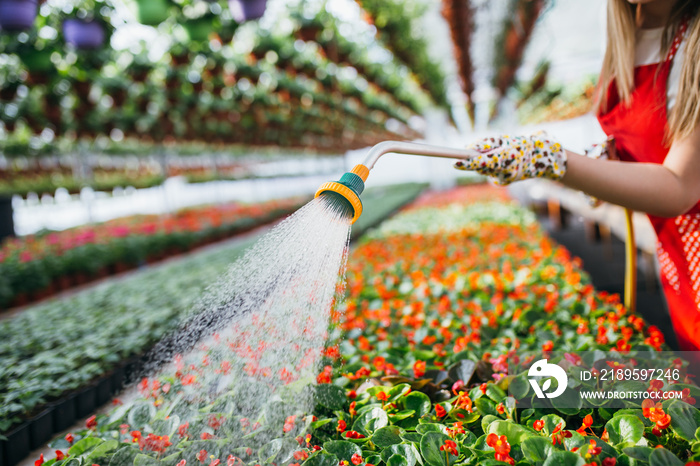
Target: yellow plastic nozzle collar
[[361, 171], [347, 193]]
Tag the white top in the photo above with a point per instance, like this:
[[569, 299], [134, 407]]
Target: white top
[[648, 51]]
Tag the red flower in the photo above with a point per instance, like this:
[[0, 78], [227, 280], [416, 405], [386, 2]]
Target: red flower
[[610, 461], [440, 411], [501, 447], [301, 455], [352, 394], [341, 426], [538, 425], [352, 408], [155, 443], [40, 461], [450, 447], [202, 455], [289, 424], [419, 368], [182, 463], [59, 455], [356, 459], [188, 379], [382, 396], [215, 462], [91, 422], [482, 387], [353, 434], [206, 436], [182, 430], [215, 421], [325, 376], [548, 345], [69, 438]]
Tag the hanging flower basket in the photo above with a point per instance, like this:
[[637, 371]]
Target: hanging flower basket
[[247, 10], [83, 34], [17, 15], [151, 12]]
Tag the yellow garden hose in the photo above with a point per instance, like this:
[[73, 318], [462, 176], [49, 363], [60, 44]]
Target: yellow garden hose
[[630, 265]]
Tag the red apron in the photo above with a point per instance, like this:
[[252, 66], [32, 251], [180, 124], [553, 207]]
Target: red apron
[[639, 131]]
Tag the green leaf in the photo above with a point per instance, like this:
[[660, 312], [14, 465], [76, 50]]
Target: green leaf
[[638, 453], [102, 450], [495, 392], [387, 436], [321, 459], [685, 419], [564, 458], [551, 421], [84, 445], [414, 437], [342, 449], [519, 387], [431, 427], [486, 406], [398, 391], [514, 432], [430, 449], [569, 402], [397, 460], [370, 421], [320, 423], [537, 449], [624, 431], [407, 451], [487, 420], [406, 413], [663, 457], [331, 396], [145, 460], [418, 402]]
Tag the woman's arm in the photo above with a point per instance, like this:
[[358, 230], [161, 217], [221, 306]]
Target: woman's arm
[[664, 190]]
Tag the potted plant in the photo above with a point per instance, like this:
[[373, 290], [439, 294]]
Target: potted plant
[[17, 15], [247, 10]]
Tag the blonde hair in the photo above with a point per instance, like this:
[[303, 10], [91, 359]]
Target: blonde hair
[[618, 63]]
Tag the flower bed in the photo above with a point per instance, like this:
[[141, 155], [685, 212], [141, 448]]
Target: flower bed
[[38, 265], [56, 348], [416, 368]]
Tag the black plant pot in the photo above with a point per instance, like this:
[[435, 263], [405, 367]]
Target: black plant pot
[[118, 379], [64, 414], [7, 225], [104, 390], [17, 446], [86, 401], [3, 460], [41, 429]]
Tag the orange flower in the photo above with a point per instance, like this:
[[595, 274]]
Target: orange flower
[[419, 368], [440, 411]]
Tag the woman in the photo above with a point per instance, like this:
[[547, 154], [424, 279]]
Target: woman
[[649, 101]]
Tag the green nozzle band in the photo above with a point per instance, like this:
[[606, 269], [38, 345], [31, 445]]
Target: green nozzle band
[[353, 182]]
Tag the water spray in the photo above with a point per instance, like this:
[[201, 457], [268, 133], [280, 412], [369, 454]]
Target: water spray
[[346, 191]]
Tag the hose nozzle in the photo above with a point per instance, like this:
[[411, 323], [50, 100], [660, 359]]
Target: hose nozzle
[[348, 189]]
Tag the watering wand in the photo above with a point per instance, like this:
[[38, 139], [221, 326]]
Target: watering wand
[[347, 190]]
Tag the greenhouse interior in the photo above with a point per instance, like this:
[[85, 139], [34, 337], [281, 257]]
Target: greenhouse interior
[[349, 232]]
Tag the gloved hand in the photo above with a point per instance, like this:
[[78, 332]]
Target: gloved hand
[[513, 158]]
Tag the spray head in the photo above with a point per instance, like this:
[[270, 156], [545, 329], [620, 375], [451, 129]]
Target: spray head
[[346, 191]]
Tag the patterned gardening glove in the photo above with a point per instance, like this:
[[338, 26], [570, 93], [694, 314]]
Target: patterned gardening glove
[[513, 158]]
